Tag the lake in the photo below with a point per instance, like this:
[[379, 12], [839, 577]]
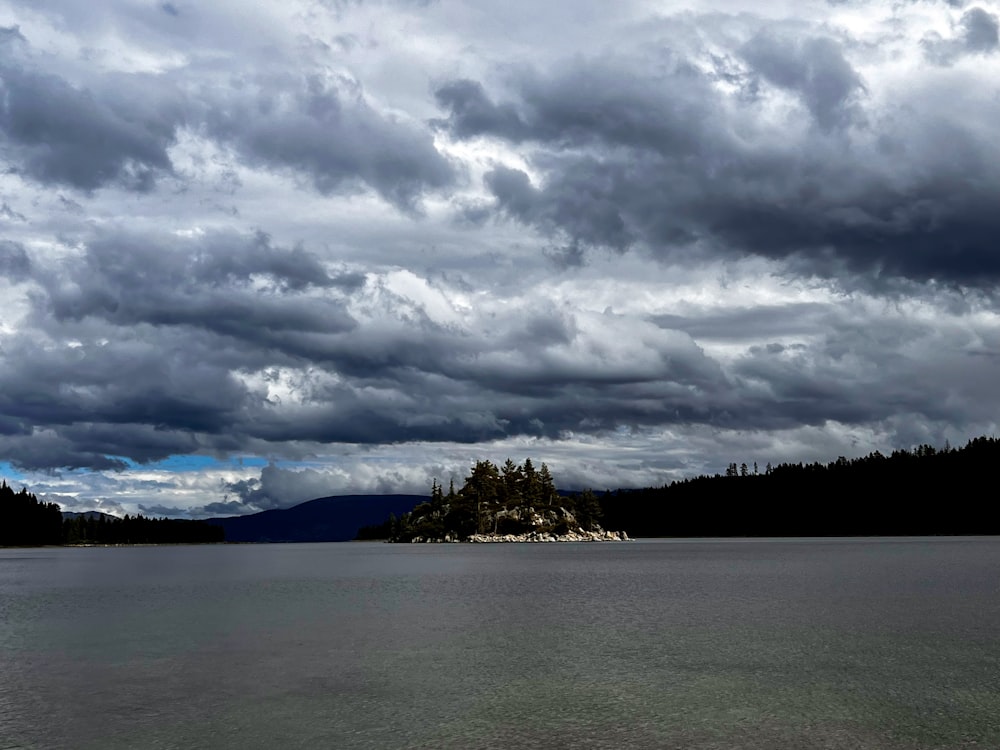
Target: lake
[[846, 643]]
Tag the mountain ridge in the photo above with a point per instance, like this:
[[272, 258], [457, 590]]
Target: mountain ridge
[[335, 518]]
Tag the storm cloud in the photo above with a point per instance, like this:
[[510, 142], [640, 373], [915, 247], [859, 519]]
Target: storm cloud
[[673, 165], [253, 255], [62, 135], [119, 129]]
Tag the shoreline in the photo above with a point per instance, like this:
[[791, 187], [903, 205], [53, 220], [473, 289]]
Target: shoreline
[[531, 537]]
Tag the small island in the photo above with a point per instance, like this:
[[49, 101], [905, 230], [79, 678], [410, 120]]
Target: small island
[[510, 503]]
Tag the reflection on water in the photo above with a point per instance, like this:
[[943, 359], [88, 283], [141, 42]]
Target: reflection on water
[[688, 644]]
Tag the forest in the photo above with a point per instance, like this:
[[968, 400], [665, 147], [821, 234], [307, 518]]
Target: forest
[[923, 491], [27, 522]]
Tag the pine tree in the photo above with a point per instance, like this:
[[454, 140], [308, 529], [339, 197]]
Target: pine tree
[[511, 480], [547, 487]]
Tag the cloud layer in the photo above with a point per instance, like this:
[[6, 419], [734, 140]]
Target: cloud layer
[[251, 256]]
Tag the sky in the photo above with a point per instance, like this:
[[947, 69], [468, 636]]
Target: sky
[[257, 252]]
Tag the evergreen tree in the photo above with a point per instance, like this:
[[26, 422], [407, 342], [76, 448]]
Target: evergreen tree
[[512, 479], [547, 494], [588, 510], [531, 488]]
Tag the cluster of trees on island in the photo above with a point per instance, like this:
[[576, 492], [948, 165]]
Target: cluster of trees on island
[[26, 521], [511, 499]]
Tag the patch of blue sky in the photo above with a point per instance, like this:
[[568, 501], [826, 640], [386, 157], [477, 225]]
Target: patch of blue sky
[[249, 461], [186, 463], [9, 473]]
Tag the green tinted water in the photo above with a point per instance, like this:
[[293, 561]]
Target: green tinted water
[[692, 644]]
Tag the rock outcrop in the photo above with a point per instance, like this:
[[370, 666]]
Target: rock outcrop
[[579, 535], [540, 536]]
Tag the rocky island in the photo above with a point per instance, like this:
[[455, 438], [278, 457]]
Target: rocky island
[[510, 503]]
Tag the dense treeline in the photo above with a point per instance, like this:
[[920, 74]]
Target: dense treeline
[[139, 529], [509, 499], [925, 491], [25, 521], [377, 531]]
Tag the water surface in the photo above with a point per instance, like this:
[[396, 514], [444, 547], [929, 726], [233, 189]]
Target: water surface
[[887, 643]]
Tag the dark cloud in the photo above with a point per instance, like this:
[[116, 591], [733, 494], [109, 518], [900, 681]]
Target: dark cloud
[[233, 285], [473, 114], [120, 133], [10, 36], [655, 165], [978, 33], [226, 508], [47, 451], [587, 212], [325, 129], [15, 265], [13, 426], [814, 68], [842, 376], [742, 323], [980, 30], [147, 335], [87, 389], [58, 134], [603, 102], [153, 338], [166, 345]]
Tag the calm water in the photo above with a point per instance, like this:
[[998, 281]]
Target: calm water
[[659, 644]]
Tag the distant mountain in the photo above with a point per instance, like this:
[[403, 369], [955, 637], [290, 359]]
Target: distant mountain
[[326, 519], [94, 515]]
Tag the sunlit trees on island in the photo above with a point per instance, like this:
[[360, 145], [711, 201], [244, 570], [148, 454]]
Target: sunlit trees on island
[[497, 503]]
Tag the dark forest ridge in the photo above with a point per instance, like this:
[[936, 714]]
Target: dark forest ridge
[[925, 491]]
